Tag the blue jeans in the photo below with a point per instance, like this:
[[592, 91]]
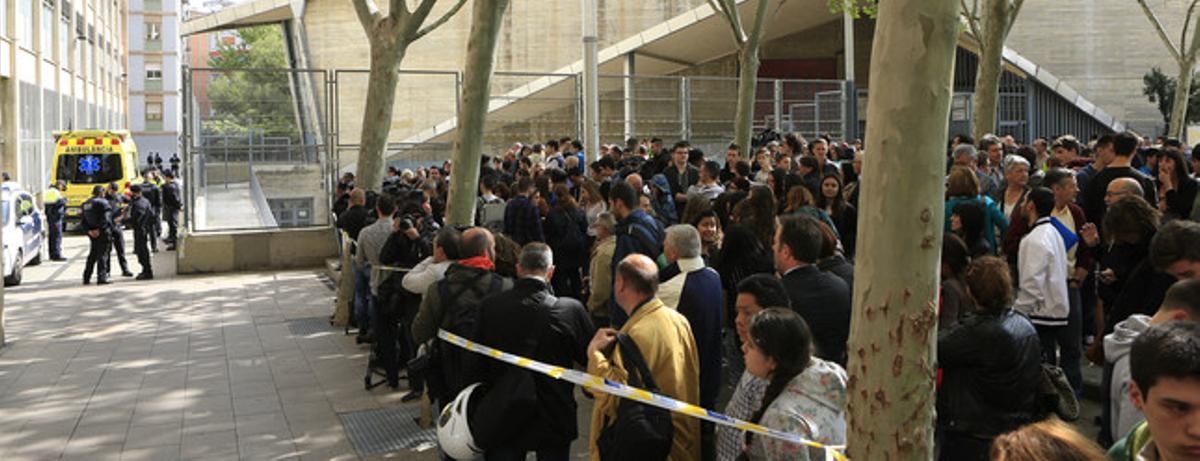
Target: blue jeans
[[1063, 345], [362, 297]]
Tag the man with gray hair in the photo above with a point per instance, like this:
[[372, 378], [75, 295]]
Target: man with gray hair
[[530, 322], [696, 293]]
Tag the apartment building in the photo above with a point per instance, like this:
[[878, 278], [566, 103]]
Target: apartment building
[[154, 69]]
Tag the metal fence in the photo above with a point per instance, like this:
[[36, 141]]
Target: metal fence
[[247, 130]]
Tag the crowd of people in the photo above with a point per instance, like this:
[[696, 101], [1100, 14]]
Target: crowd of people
[[729, 286]]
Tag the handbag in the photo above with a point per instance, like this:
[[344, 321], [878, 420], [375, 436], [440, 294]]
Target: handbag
[[1057, 395], [639, 432]]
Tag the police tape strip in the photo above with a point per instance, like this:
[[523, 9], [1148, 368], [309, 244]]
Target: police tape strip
[[832, 452]]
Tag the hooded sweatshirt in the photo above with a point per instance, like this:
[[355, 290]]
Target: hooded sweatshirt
[[812, 406], [1116, 351]]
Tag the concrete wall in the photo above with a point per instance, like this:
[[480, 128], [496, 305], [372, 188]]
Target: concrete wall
[[266, 250], [1102, 48], [537, 36]]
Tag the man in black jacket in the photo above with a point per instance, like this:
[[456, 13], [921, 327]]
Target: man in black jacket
[[1116, 152], [823, 299], [97, 222], [154, 195], [172, 205], [529, 321], [117, 233], [138, 216], [681, 175], [354, 219]]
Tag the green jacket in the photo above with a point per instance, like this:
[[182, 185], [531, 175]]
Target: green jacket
[[1127, 449]]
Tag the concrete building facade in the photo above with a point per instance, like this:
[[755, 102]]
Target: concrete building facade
[[1102, 48], [62, 67], [154, 76]]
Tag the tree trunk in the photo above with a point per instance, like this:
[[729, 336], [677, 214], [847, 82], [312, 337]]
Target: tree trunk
[[377, 115], [987, 79], [891, 366], [1183, 89], [486, 18], [743, 124]]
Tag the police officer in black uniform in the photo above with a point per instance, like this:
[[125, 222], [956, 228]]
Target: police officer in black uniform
[[152, 194], [138, 216], [117, 232], [97, 222], [175, 164], [172, 202]]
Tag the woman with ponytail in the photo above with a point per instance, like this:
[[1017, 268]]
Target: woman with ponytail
[[805, 395]]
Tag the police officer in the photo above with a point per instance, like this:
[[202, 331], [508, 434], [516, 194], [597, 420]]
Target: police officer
[[56, 209], [138, 216], [97, 222], [172, 202], [175, 163], [152, 193], [119, 202]]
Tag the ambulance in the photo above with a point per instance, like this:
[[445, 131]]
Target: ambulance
[[89, 158]]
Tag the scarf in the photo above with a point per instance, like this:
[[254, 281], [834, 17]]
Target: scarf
[[479, 262]]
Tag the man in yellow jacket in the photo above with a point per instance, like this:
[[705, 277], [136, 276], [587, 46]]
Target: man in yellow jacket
[[665, 340]]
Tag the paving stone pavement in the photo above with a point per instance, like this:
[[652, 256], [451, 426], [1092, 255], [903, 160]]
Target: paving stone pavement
[[181, 367]]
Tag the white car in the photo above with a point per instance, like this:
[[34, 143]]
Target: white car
[[23, 229]]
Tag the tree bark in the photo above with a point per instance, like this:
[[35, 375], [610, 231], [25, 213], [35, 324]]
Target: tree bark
[[386, 55], [743, 125], [987, 78], [486, 19], [891, 366], [1183, 89]]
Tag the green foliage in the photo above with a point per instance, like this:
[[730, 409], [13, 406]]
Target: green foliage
[[1159, 88], [858, 8], [252, 97]]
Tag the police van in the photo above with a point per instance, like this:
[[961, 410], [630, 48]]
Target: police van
[[87, 158]]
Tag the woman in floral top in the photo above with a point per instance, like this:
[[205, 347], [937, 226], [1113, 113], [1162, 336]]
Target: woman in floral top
[[806, 395]]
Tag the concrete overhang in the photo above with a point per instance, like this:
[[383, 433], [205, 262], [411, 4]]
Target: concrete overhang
[[247, 14]]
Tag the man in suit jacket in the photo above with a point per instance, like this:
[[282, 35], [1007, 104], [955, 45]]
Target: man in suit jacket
[[820, 297], [528, 321]]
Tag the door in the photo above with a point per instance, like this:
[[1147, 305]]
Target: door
[[30, 228]]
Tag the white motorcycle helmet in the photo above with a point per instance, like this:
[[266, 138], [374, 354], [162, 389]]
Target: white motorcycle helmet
[[454, 430]]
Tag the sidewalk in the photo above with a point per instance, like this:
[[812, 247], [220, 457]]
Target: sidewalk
[[232, 366]]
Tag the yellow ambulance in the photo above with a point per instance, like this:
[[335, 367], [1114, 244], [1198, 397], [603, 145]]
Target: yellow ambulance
[[88, 158]]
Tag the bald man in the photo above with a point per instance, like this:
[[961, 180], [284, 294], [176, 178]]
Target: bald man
[[664, 338], [1120, 188], [454, 303], [635, 181]]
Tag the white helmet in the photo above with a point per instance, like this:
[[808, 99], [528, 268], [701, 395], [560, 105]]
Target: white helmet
[[454, 430]]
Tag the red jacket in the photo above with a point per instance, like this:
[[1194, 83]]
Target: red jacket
[[1019, 226]]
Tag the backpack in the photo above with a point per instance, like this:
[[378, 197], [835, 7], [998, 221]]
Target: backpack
[[640, 431], [462, 320], [491, 214]]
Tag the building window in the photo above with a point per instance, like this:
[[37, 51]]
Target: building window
[[152, 31], [64, 40], [47, 32], [153, 71], [25, 23], [292, 212], [154, 112]]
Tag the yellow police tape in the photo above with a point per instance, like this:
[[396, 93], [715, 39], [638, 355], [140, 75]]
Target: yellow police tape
[[597, 383]]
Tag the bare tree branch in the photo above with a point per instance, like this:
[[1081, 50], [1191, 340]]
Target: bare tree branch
[[1014, 10], [368, 14], [719, 6], [1162, 33], [973, 23], [1187, 22], [438, 23], [731, 7]]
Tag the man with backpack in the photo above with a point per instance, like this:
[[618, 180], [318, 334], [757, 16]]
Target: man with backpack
[[662, 339], [636, 231], [525, 411], [489, 209], [454, 304]]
